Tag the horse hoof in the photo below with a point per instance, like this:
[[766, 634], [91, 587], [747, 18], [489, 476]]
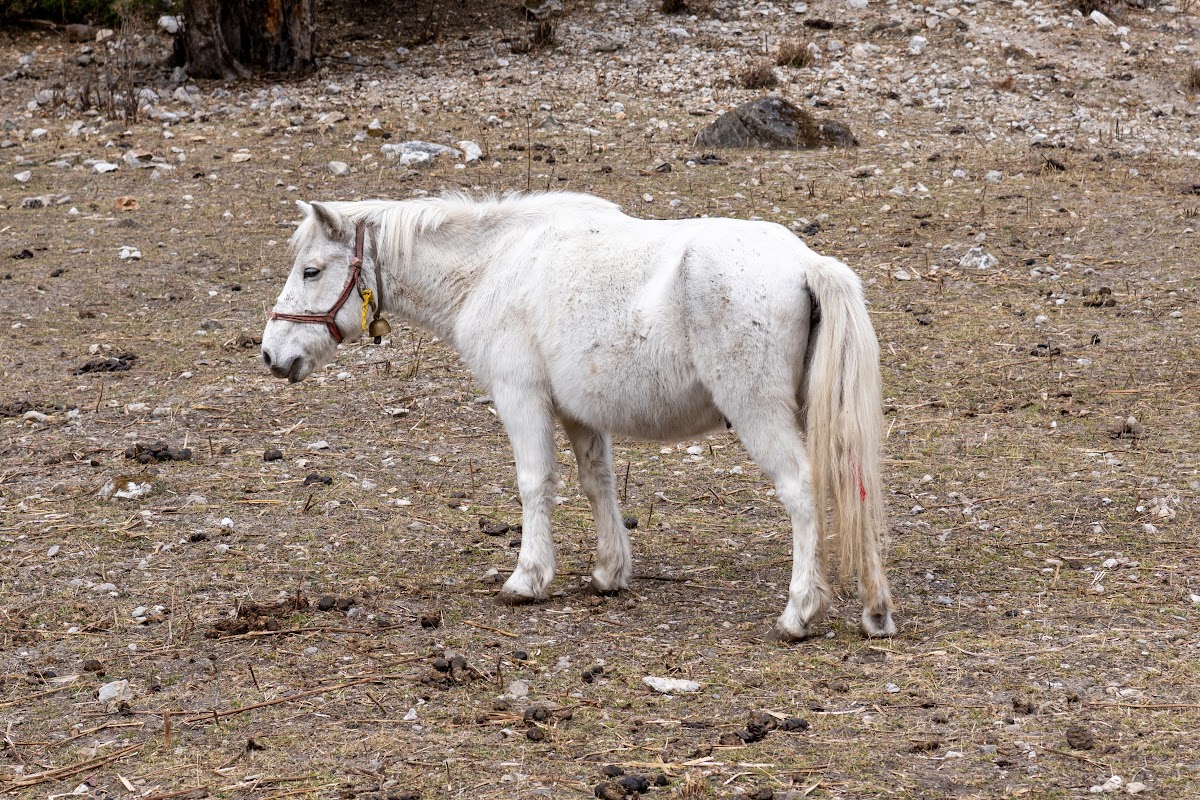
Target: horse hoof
[[791, 631], [878, 626], [507, 598]]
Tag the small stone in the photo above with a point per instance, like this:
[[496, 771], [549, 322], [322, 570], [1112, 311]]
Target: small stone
[[671, 685], [470, 150], [1135, 787], [978, 258], [23, 177], [117, 690], [339, 168], [518, 689]]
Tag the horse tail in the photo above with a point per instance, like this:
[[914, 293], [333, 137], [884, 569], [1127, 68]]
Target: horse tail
[[844, 420]]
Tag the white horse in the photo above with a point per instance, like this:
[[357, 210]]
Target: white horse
[[563, 307]]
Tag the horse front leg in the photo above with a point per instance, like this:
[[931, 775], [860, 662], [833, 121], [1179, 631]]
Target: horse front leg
[[530, 425], [593, 454]]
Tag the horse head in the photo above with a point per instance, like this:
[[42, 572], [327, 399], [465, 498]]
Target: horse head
[[315, 311]]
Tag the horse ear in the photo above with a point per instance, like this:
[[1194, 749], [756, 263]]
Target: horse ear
[[335, 225], [304, 207]]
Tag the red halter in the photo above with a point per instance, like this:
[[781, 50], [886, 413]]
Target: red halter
[[354, 281]]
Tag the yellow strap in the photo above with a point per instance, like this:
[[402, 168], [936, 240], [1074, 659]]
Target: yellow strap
[[366, 296]]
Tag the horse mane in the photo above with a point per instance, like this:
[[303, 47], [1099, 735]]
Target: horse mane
[[399, 222]]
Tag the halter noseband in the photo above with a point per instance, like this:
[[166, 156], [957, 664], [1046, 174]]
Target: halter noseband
[[354, 281]]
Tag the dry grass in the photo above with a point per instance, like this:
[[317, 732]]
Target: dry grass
[[1192, 81], [759, 74], [1086, 7], [794, 53]]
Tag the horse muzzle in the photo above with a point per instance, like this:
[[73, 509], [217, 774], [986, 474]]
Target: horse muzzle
[[294, 370]]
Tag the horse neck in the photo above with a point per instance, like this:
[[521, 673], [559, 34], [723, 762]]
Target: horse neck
[[442, 270]]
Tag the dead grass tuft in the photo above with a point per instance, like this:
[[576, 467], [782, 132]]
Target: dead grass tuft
[[1192, 81], [794, 53], [544, 34], [686, 7], [1086, 7], [758, 75]]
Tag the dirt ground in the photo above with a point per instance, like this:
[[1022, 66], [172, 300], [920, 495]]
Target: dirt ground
[[321, 622]]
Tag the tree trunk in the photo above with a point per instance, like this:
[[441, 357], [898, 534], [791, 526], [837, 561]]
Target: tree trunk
[[230, 39]]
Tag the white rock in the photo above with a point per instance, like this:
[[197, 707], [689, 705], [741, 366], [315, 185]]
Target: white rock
[[1135, 787], [471, 151], [320, 444], [125, 489], [129, 254], [856, 4], [240, 157], [103, 166], [1113, 784], [1101, 19], [53, 551], [169, 24], [518, 689], [339, 168], [414, 153], [978, 258], [994, 176], [671, 685], [23, 177], [117, 690]]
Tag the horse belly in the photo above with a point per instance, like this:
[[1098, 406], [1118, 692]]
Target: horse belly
[[634, 386]]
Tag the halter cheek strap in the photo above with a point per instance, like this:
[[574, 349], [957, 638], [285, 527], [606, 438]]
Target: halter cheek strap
[[355, 281]]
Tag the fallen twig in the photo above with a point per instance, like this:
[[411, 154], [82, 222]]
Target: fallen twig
[[66, 772]]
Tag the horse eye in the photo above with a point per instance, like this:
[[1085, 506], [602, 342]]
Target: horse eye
[[311, 272]]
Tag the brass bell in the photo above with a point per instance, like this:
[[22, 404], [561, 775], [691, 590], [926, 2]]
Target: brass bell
[[379, 329]]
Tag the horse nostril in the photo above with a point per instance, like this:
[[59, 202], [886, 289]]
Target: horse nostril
[[266, 357]]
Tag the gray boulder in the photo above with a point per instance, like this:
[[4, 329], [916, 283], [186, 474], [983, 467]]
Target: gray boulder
[[773, 122]]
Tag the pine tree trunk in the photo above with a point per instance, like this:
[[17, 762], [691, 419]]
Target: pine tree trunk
[[229, 39]]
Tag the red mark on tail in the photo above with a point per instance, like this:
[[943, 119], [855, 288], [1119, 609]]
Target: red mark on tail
[[858, 477]]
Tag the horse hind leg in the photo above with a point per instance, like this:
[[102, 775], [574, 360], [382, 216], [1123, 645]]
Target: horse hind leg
[[530, 426], [593, 454], [772, 437]]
